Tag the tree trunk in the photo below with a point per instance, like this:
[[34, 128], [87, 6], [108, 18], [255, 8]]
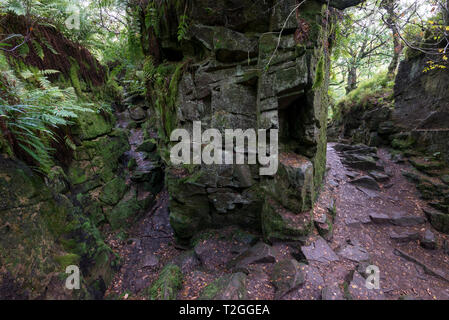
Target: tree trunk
[[398, 47], [352, 79], [389, 7]]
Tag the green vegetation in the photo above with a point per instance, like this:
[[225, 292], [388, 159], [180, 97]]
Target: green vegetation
[[320, 74], [377, 91], [164, 79], [379, 84], [168, 284], [67, 260], [31, 111]]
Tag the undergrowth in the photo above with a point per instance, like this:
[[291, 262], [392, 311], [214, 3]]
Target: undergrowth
[[377, 91], [31, 111]]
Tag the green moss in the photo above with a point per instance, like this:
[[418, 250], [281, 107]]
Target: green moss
[[233, 284], [57, 219], [68, 260], [331, 226], [346, 292], [402, 144], [92, 125], [165, 97], [167, 285], [373, 92], [411, 54], [277, 225], [77, 175], [74, 69], [320, 73], [132, 164], [212, 289], [113, 191], [5, 148], [113, 90], [124, 210]]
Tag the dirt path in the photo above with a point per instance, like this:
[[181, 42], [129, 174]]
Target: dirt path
[[353, 225], [370, 227], [150, 242]]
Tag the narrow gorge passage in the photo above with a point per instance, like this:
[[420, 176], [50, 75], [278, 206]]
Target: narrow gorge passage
[[371, 226], [224, 150]]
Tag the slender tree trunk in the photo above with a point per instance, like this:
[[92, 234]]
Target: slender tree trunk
[[389, 7], [352, 79], [398, 47]]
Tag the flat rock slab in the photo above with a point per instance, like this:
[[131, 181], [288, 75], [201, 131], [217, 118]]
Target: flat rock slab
[[404, 236], [187, 261], [427, 269], [213, 253], [361, 164], [359, 291], [379, 218], [319, 251], [397, 219], [353, 253], [378, 176], [352, 175], [359, 148], [403, 220], [356, 222], [372, 194], [287, 275], [150, 261], [259, 253], [322, 218], [313, 284], [366, 182]]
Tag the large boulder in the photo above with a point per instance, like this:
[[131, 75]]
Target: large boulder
[[248, 80]]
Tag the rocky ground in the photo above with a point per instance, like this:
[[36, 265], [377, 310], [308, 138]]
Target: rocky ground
[[368, 213]]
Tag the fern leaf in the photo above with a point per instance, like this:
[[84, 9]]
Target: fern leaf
[[49, 46], [38, 49]]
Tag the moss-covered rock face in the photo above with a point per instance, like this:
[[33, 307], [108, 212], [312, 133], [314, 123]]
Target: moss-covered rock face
[[239, 73], [41, 234], [96, 173], [422, 104], [227, 287], [92, 125], [48, 224]]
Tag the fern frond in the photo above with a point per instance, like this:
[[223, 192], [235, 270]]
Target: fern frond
[[38, 49], [49, 46]]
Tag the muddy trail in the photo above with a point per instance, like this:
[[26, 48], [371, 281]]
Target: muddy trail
[[367, 214]]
